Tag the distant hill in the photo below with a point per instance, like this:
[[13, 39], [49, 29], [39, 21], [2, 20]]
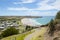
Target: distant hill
[[20, 16]]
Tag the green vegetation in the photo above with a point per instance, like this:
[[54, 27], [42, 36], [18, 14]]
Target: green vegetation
[[28, 28], [52, 27], [39, 35], [19, 36], [9, 31], [53, 23], [0, 37], [58, 15], [57, 18]]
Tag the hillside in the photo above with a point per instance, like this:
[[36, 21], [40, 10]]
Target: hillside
[[53, 32]]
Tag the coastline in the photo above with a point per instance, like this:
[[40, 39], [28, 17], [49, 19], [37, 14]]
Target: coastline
[[30, 22]]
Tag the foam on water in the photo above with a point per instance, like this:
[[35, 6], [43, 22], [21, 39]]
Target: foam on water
[[37, 21]]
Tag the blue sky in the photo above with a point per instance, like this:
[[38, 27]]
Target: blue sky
[[29, 7]]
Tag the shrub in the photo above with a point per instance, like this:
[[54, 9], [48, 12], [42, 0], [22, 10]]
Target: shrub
[[10, 31], [0, 36], [58, 15], [28, 28], [56, 38], [51, 27]]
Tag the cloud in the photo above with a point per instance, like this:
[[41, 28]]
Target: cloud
[[28, 1], [41, 6], [16, 2], [45, 6], [57, 4], [39, 13], [24, 1], [31, 12], [21, 8]]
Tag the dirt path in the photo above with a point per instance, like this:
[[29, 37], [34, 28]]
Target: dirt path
[[34, 35]]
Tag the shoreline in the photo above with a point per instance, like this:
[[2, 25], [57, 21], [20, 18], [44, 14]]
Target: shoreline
[[30, 21]]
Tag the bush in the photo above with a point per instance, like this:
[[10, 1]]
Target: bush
[[57, 18], [56, 38], [28, 28], [51, 27], [0, 36], [58, 15], [10, 31]]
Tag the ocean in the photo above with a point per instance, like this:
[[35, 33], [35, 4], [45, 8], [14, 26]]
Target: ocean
[[44, 20]]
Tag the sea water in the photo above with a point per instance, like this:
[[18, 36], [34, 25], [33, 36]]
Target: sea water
[[44, 19]]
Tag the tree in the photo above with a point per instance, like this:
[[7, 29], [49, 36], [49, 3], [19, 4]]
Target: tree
[[10, 31], [0, 36], [57, 18], [51, 27], [28, 28], [58, 15]]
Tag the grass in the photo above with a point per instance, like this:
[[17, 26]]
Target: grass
[[18, 37], [40, 34]]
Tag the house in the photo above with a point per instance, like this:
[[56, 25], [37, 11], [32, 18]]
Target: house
[[1, 28], [6, 24]]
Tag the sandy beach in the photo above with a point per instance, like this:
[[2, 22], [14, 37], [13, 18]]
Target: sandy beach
[[30, 22]]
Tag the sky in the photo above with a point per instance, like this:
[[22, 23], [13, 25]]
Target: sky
[[29, 7]]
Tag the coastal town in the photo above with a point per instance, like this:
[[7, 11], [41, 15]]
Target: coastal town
[[29, 19], [11, 21]]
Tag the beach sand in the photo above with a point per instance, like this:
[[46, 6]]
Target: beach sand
[[30, 22]]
